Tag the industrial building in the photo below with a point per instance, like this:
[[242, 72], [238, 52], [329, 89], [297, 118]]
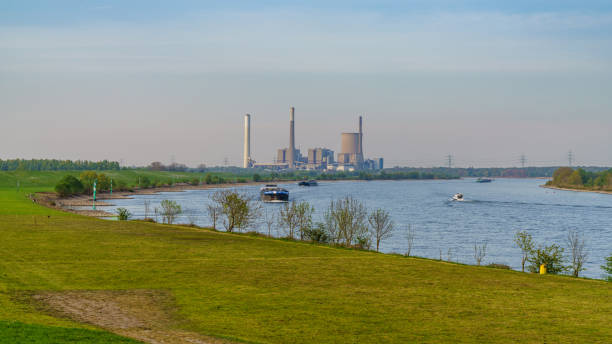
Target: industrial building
[[350, 158]]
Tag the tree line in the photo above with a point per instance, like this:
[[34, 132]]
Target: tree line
[[567, 177], [56, 165]]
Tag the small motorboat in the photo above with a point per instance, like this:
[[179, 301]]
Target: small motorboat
[[484, 180], [311, 182], [458, 197], [271, 193]]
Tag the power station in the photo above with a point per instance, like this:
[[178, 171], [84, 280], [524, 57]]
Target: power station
[[350, 158]]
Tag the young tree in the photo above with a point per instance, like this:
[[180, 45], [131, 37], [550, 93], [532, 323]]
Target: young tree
[[214, 211], [304, 213], [608, 268], [410, 234], [349, 218], [551, 256], [578, 253], [269, 220], [239, 211], [525, 242], [480, 251], [170, 210], [87, 179], [381, 225], [147, 206], [288, 218]]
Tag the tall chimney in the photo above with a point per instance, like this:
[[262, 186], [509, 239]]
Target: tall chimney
[[292, 138], [360, 137], [247, 141]]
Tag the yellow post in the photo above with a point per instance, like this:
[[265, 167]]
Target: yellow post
[[543, 269]]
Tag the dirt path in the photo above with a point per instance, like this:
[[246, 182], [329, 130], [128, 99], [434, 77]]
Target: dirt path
[[145, 315]]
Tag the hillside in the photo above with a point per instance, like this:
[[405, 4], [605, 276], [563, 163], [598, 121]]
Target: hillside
[[153, 281]]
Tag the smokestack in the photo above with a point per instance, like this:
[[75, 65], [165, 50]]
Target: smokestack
[[360, 136], [292, 138], [247, 141]]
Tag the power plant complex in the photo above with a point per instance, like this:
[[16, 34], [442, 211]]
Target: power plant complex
[[350, 158]]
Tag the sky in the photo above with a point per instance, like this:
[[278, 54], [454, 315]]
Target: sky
[[141, 81]]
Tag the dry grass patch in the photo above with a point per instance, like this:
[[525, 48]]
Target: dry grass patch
[[146, 315]]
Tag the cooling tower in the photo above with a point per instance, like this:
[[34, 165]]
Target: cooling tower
[[350, 143], [292, 138], [247, 141]]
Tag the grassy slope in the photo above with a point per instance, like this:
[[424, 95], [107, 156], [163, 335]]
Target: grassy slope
[[261, 290]]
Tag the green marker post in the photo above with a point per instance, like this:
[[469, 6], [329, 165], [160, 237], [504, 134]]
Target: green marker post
[[111, 188], [94, 194]]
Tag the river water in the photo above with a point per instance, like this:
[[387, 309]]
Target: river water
[[491, 213]]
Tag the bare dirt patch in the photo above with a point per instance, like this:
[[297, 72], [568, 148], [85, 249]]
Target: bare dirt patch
[[144, 315]]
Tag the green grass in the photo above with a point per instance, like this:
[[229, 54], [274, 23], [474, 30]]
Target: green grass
[[16, 332], [270, 291]]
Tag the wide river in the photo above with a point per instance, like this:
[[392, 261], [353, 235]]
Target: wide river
[[492, 213]]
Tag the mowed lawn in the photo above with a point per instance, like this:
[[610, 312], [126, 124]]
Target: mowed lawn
[[261, 290]]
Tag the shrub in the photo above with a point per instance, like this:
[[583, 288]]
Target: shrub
[[551, 255], [316, 234], [498, 266], [364, 242], [195, 181], [123, 214], [608, 268], [69, 185]]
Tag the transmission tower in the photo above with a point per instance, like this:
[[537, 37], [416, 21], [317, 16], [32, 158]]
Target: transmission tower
[[523, 160], [225, 161], [449, 161], [570, 157]]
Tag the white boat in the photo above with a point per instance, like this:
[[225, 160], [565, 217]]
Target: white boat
[[458, 197]]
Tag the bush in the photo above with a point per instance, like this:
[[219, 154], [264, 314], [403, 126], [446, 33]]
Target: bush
[[316, 234], [608, 268], [364, 242], [498, 266], [195, 181], [551, 255], [68, 186], [123, 214]]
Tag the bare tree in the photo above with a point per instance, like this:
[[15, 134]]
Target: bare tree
[[348, 216], [410, 234], [381, 225], [147, 206], [578, 252], [269, 220], [170, 210], [524, 241], [331, 227], [449, 254], [239, 211], [288, 218], [480, 251], [304, 213], [214, 211]]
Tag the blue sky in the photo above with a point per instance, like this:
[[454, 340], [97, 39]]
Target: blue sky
[[485, 81]]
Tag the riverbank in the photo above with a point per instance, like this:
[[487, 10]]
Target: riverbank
[[576, 190]]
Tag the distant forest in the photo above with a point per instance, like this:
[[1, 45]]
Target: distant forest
[[56, 165]]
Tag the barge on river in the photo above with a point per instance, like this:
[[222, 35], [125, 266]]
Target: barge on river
[[272, 193]]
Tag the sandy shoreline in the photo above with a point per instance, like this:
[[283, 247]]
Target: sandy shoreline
[[576, 190]]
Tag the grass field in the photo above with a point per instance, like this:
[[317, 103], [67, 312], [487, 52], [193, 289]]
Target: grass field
[[251, 289]]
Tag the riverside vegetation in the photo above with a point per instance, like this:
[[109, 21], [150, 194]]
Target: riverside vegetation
[[246, 288], [580, 179]]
